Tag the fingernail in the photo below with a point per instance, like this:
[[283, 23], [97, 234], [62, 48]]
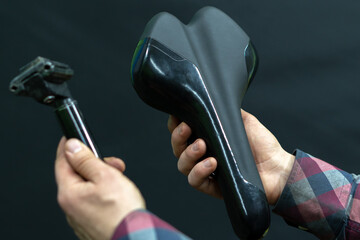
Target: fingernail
[[74, 146], [195, 146], [180, 129], [207, 163]]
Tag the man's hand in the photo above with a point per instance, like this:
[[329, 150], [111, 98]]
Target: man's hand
[[273, 162], [95, 196]]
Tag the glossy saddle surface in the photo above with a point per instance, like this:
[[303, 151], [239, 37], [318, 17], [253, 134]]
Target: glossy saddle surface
[[200, 73]]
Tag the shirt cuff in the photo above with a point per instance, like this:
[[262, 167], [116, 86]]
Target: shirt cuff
[[315, 197], [142, 224]]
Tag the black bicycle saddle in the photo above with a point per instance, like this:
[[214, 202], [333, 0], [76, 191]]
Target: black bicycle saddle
[[200, 73]]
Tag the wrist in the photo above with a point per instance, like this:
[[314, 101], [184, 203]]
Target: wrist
[[287, 163]]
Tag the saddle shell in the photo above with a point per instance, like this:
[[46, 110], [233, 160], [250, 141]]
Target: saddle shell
[[200, 73]]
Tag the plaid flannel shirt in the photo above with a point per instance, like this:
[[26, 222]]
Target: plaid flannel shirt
[[143, 225], [318, 198]]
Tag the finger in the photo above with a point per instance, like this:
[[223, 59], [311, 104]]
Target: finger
[[179, 138], [200, 180], [248, 117], [64, 173], [83, 160], [173, 122], [116, 163], [191, 156]]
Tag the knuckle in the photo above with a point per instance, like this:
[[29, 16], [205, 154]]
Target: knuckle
[[101, 174], [170, 124], [108, 198], [197, 172], [249, 118], [202, 146], [174, 137], [189, 154], [180, 167], [175, 146], [64, 200], [192, 181], [61, 200], [81, 162], [175, 133], [176, 152], [90, 193], [109, 175], [105, 174], [184, 166], [184, 169]]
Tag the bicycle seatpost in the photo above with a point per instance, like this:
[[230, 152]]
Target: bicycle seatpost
[[45, 81]]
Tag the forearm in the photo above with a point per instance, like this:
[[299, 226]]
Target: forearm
[[321, 199]]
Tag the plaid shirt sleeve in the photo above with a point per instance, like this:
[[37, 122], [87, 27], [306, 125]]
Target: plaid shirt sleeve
[[321, 199], [143, 225]]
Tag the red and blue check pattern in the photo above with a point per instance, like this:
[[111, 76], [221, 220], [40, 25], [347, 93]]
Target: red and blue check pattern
[[321, 199], [143, 225]]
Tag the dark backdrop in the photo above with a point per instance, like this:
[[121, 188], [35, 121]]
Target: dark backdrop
[[305, 92]]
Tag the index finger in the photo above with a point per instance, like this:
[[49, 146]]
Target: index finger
[[179, 138], [172, 123]]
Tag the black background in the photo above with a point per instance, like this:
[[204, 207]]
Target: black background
[[305, 92]]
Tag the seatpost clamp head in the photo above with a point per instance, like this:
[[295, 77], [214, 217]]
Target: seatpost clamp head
[[44, 80]]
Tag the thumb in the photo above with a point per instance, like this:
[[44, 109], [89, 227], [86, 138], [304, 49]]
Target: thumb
[[82, 160]]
